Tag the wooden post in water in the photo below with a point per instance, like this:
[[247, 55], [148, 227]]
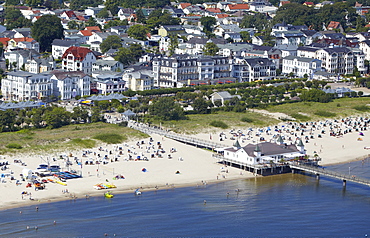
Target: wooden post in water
[[344, 182], [318, 176]]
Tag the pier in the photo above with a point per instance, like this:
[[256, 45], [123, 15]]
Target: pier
[[308, 166], [320, 171]]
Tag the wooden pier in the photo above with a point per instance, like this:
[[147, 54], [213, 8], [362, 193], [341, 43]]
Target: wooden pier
[[259, 169], [320, 171], [179, 137]]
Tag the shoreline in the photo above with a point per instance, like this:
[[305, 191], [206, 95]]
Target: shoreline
[[194, 165]]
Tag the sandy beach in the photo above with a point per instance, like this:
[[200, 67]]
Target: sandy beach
[[334, 141]]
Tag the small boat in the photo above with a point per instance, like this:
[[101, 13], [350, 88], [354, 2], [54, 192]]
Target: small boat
[[137, 192], [108, 195]]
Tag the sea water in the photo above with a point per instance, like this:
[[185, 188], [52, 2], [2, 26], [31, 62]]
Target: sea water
[[288, 205]]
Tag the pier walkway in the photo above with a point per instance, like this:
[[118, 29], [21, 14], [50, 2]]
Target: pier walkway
[[318, 171], [175, 136]]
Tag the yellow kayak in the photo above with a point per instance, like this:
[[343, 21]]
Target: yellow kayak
[[61, 183], [108, 195]]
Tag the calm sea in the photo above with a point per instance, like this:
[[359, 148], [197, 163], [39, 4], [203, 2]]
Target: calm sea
[[289, 205]]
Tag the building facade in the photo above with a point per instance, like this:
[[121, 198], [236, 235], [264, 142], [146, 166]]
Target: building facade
[[78, 59], [68, 85], [22, 86]]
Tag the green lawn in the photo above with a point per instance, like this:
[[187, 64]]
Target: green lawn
[[306, 111], [68, 137], [200, 122]]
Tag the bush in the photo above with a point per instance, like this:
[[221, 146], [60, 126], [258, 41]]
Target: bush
[[14, 146], [219, 124], [247, 119], [110, 138], [362, 108], [325, 114]]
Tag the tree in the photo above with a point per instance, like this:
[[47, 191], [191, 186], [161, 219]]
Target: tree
[[73, 25], [136, 51], [115, 23], [208, 24], [200, 105], [92, 22], [246, 37], [7, 119], [124, 56], [15, 19], [138, 32], [34, 3], [103, 13], [174, 43], [111, 42], [12, 2], [211, 49], [166, 109], [45, 30], [256, 20], [57, 117], [80, 114], [112, 6], [140, 18]]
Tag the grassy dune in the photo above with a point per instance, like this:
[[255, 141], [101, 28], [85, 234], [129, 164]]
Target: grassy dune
[[68, 137]]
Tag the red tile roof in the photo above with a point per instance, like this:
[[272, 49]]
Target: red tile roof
[[282, 3], [70, 13], [308, 3], [185, 5], [27, 39], [92, 28], [214, 10], [4, 40], [78, 52], [238, 6], [86, 33], [222, 15], [333, 25]]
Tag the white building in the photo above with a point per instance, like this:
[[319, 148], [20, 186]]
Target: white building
[[249, 70], [78, 59], [107, 65], [300, 66], [338, 60], [58, 47], [264, 153], [68, 85], [22, 86], [139, 80], [109, 82]]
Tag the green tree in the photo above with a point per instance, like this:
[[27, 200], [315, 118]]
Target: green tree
[[34, 3], [112, 23], [15, 19], [103, 13], [174, 43], [211, 49], [124, 56], [92, 22], [200, 105], [73, 25], [57, 117], [166, 109], [138, 32], [7, 119], [255, 20], [208, 25], [112, 6], [45, 30], [245, 36], [12, 2], [111, 42], [140, 18], [136, 51], [80, 114], [159, 18]]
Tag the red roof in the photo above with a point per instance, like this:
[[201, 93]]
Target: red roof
[[333, 25], [92, 28], [222, 15], [28, 39], [4, 40], [184, 5], [81, 18], [78, 52], [86, 33], [282, 3], [214, 10], [241, 6], [308, 3], [70, 13]]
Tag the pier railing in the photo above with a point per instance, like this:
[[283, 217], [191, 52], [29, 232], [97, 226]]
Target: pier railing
[[330, 173], [175, 136]]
